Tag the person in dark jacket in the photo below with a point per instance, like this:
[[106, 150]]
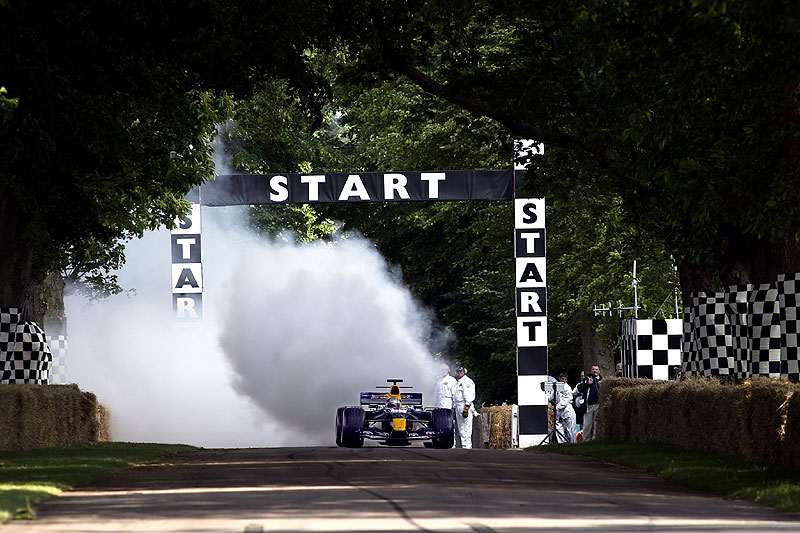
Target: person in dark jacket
[[590, 389]]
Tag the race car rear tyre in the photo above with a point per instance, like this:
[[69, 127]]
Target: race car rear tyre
[[442, 422], [339, 412], [352, 424]]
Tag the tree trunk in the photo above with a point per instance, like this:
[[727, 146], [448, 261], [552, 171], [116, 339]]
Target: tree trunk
[[49, 305], [740, 260], [744, 259], [18, 277], [596, 349]]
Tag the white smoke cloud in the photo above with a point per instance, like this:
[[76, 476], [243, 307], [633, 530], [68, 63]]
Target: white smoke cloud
[[290, 332]]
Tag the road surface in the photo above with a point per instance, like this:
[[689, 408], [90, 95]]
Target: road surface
[[390, 490]]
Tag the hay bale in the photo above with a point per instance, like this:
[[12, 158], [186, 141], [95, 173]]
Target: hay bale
[[789, 429], [616, 408], [760, 416], [38, 416], [499, 426], [758, 419], [708, 410], [102, 423]]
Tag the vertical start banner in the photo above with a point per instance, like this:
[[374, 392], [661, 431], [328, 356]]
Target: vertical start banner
[[531, 307], [187, 268]]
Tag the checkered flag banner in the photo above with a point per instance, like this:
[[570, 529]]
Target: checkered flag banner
[[744, 331], [25, 356], [652, 348], [58, 348]]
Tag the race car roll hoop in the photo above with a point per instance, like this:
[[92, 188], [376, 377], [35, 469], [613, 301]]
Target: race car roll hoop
[[395, 418]]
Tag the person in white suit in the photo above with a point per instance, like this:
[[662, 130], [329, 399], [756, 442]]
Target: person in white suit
[[465, 409], [565, 414], [446, 389]]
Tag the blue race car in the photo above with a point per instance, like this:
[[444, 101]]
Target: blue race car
[[396, 419]]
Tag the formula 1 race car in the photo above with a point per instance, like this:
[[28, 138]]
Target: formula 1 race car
[[395, 419]]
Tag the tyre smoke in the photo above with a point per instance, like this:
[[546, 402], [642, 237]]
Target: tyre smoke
[[290, 333]]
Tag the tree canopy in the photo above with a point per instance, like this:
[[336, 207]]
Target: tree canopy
[[687, 111], [116, 103]]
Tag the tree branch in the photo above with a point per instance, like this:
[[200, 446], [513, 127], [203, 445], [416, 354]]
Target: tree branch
[[516, 126], [520, 128]]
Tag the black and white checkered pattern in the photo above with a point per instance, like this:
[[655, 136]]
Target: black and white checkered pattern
[[58, 347], [765, 331], [651, 348], [707, 340], [24, 354], [737, 325], [628, 341], [9, 318], [789, 301], [744, 331]]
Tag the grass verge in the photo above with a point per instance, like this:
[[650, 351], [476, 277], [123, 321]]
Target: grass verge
[[772, 486], [27, 477]]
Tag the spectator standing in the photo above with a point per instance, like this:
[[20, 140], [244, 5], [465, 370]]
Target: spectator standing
[[618, 373], [565, 414], [465, 410], [590, 388]]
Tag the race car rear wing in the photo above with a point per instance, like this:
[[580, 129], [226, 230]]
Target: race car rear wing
[[380, 398]]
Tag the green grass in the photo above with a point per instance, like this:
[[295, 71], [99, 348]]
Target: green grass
[[772, 486], [27, 477]]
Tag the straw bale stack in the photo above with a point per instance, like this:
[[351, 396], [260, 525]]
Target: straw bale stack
[[38, 416], [499, 426], [764, 415], [758, 419]]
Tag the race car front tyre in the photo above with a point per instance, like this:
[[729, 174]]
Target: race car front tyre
[[339, 426], [352, 424], [442, 422]]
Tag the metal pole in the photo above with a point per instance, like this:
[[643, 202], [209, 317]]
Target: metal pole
[[515, 426], [635, 293], [675, 270]]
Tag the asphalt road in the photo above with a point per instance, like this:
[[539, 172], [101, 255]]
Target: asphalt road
[[391, 490]]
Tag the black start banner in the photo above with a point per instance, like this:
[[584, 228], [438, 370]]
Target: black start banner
[[288, 188]]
